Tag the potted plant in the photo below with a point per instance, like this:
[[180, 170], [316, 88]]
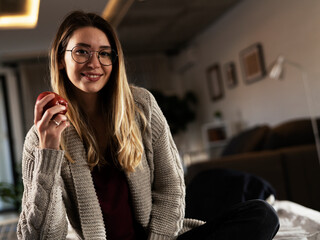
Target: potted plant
[[12, 193], [179, 112]]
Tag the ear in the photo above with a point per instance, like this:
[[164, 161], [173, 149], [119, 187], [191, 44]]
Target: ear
[[62, 64]]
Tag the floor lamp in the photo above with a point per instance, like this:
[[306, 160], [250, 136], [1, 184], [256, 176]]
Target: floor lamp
[[277, 72]]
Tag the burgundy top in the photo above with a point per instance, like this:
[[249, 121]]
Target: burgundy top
[[113, 193]]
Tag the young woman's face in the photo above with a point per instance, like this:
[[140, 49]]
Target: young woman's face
[[91, 76]]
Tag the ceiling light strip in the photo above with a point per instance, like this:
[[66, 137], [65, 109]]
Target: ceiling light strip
[[27, 20]]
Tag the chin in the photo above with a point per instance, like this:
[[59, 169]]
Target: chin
[[91, 89]]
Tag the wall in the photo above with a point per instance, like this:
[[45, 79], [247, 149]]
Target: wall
[[152, 71], [287, 27]]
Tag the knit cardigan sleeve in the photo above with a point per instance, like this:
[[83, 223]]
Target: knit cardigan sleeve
[[168, 189], [43, 213]]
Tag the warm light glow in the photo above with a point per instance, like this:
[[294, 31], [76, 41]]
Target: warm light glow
[[115, 11], [27, 20]]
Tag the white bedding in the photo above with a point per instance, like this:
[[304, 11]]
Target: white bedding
[[296, 221]]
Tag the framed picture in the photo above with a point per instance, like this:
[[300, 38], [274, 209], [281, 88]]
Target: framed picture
[[231, 75], [214, 80], [252, 62], [213, 133]]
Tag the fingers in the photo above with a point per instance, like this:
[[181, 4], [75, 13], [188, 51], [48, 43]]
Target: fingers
[[50, 134], [59, 125], [50, 123], [38, 108], [59, 119], [53, 112], [63, 125]]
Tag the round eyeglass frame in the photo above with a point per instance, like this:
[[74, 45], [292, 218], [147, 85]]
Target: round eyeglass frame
[[113, 59]]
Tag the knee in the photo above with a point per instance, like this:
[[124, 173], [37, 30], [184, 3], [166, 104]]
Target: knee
[[266, 214]]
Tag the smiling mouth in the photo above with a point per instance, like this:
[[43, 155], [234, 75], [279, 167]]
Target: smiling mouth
[[92, 77]]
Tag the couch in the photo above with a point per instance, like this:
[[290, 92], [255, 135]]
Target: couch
[[284, 156]]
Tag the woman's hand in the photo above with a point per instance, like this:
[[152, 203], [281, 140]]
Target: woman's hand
[[49, 128]]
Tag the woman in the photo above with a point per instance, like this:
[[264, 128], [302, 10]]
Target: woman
[[110, 164]]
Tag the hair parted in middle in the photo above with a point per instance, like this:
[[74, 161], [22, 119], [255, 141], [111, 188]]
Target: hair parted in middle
[[118, 106]]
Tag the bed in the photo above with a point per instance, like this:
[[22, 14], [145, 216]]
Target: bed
[[297, 221]]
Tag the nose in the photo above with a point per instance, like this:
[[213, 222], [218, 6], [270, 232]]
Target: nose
[[94, 60]]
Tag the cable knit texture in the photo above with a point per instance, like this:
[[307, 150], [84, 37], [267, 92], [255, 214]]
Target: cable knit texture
[[56, 189]]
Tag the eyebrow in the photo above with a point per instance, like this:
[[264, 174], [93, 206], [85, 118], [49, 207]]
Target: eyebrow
[[89, 46]]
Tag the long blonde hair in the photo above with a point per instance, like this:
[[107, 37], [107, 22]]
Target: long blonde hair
[[119, 108]]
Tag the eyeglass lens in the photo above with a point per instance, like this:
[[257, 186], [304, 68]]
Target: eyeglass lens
[[82, 54]]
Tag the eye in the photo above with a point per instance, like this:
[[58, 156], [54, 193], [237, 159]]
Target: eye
[[81, 51], [105, 54]]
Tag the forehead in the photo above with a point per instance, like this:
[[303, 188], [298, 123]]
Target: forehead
[[89, 35]]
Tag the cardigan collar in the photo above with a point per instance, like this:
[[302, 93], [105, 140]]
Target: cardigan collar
[[88, 205]]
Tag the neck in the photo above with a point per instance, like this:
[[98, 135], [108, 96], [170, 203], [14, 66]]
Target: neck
[[89, 103]]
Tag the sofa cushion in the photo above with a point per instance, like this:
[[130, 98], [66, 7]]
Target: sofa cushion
[[247, 141], [302, 168], [265, 164], [290, 133]]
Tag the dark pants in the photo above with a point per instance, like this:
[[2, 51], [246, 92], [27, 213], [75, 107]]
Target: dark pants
[[251, 220]]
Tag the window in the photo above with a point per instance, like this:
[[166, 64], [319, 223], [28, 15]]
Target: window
[[6, 147]]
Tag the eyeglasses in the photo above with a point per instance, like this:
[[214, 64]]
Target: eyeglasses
[[81, 54]]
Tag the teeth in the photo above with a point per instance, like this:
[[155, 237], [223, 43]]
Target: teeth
[[92, 76]]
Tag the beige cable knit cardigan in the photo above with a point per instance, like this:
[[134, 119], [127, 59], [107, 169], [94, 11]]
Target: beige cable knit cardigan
[[56, 189]]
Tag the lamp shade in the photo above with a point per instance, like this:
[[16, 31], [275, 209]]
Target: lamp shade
[[276, 70]]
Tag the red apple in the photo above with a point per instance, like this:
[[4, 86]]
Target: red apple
[[56, 101]]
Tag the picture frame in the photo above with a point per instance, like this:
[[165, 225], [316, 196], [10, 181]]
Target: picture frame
[[214, 80], [252, 61], [231, 77], [213, 132]]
